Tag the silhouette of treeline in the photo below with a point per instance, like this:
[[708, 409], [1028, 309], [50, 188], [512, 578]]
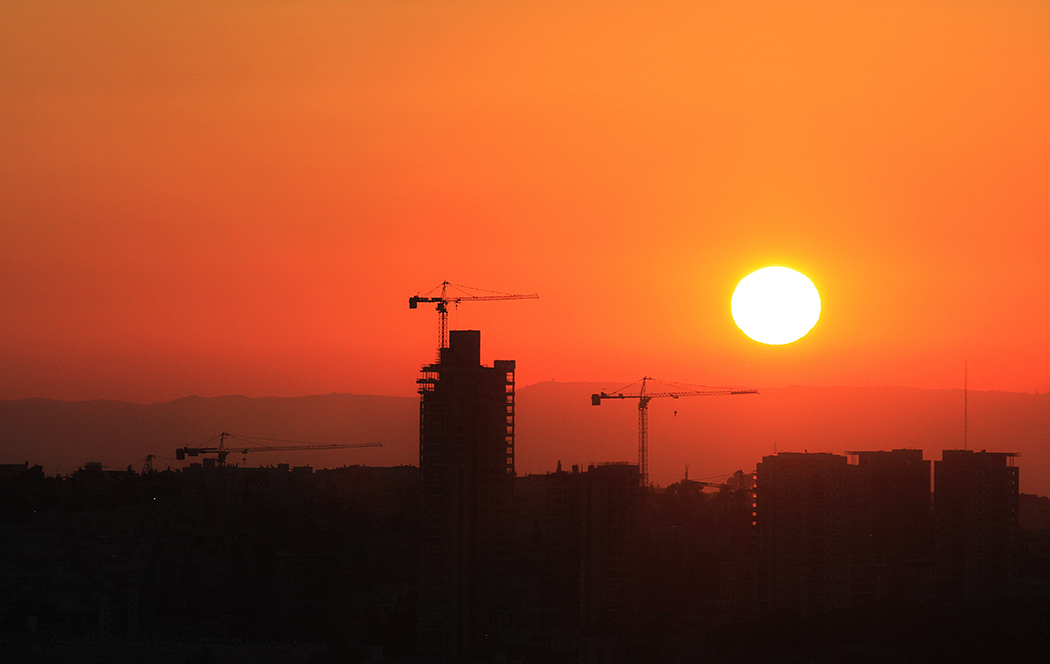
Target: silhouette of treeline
[[290, 564]]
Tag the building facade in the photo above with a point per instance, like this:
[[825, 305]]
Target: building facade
[[976, 500], [466, 464], [894, 558], [807, 522]]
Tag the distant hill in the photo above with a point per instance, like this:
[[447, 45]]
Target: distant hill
[[718, 435], [555, 421], [63, 435]]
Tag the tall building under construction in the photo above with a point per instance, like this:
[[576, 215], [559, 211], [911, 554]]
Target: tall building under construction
[[466, 463]]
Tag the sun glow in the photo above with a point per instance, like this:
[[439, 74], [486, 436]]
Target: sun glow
[[775, 305]]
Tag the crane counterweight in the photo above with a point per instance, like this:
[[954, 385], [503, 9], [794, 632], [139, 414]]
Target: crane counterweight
[[445, 298]]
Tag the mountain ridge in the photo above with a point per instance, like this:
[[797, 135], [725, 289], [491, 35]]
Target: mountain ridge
[[555, 422]]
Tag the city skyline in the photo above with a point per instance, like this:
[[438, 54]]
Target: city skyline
[[588, 565], [712, 437], [277, 232]]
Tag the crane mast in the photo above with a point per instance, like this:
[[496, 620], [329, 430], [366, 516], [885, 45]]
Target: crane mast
[[445, 298], [644, 397]]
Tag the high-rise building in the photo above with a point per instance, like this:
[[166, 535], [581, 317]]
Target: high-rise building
[[976, 497], [893, 557], [466, 465], [610, 556], [896, 502], [807, 522], [591, 561]]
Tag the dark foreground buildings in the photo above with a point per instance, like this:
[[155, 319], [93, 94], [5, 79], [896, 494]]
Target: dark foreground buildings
[[209, 563], [527, 572], [834, 535], [976, 509], [807, 525], [818, 557]]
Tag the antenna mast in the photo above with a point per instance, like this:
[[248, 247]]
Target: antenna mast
[[966, 404]]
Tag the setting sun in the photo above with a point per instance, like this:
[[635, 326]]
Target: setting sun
[[775, 305]]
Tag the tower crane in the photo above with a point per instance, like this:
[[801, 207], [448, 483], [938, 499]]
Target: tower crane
[[644, 397], [223, 450], [445, 298]]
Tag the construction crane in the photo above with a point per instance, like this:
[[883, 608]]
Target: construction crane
[[223, 450], [644, 397], [446, 298], [700, 483]]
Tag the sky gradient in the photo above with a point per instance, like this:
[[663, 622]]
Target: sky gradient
[[239, 198]]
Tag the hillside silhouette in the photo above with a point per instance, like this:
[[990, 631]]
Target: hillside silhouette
[[718, 435], [63, 435], [714, 436]]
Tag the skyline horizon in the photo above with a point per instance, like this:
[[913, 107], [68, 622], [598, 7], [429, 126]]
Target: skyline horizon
[[604, 384], [556, 422]]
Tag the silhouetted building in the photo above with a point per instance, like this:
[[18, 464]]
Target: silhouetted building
[[896, 510], [894, 558], [562, 552], [466, 462], [808, 520], [611, 525], [587, 563], [132, 565], [976, 509]]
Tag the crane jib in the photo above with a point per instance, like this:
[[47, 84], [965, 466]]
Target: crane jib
[[643, 415]]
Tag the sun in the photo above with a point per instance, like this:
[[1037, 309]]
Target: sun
[[775, 305]]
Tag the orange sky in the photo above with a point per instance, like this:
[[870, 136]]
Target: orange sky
[[240, 197]]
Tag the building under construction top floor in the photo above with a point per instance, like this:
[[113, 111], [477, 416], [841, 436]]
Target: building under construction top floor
[[466, 465]]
